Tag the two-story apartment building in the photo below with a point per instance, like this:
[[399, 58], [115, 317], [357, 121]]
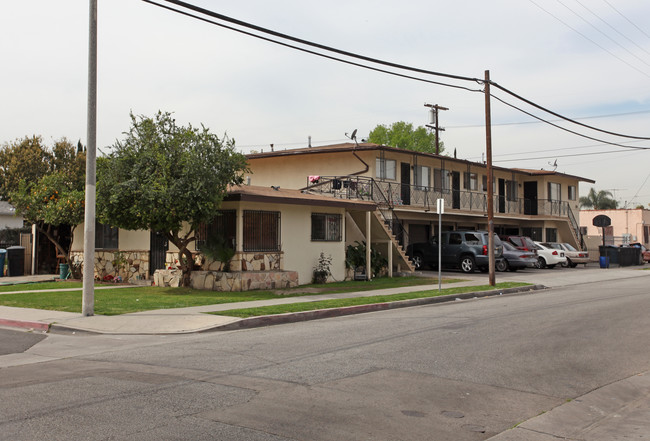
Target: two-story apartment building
[[405, 184]]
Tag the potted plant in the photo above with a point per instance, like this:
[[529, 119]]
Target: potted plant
[[322, 269]]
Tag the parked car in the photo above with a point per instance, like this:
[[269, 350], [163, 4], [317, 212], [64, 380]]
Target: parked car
[[523, 243], [573, 256], [645, 253], [514, 259], [466, 250], [548, 257]]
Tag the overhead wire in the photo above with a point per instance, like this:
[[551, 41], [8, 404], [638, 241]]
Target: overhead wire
[[250, 34], [628, 20], [589, 39], [376, 61]]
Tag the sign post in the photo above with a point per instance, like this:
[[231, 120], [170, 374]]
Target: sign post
[[440, 209]]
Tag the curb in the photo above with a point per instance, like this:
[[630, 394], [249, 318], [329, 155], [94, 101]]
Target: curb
[[37, 326], [294, 317]]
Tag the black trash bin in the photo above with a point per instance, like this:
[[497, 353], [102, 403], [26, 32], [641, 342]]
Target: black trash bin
[[629, 256], [15, 261]]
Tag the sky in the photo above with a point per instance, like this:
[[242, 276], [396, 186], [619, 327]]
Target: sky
[[586, 60]]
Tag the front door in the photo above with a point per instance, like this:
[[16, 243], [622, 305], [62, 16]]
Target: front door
[[158, 247], [530, 198], [502, 195], [455, 190], [405, 180]]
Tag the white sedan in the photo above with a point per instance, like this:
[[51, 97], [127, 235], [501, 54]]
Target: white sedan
[[549, 257]]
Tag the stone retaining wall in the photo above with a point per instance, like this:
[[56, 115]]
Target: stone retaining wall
[[231, 281], [131, 266], [242, 261]]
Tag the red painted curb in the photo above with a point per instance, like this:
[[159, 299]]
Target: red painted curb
[[40, 326]]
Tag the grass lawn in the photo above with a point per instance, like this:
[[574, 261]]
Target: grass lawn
[[134, 299], [340, 303]]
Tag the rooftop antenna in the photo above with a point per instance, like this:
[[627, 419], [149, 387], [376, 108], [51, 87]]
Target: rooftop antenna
[[353, 137]]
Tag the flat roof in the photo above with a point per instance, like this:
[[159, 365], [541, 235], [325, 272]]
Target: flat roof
[[368, 146]]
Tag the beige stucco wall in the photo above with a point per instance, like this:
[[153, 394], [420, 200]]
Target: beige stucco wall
[[624, 221], [128, 240], [9, 221], [299, 252]]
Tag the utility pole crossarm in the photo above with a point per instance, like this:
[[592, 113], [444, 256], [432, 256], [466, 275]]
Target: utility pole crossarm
[[433, 122]]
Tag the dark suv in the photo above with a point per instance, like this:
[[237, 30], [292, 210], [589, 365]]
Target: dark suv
[[467, 250]]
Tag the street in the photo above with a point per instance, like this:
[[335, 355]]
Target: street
[[465, 370]]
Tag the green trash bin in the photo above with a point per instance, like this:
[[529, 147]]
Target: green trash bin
[[63, 271]]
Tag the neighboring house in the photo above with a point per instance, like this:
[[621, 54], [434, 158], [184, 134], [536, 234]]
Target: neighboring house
[[8, 217], [270, 229], [405, 185], [629, 225]]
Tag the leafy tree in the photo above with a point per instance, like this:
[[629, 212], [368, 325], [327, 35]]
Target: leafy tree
[[45, 186], [403, 136], [24, 159], [56, 199], [601, 200], [167, 178]]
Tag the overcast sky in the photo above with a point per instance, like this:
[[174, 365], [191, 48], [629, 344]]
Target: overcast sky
[[585, 59]]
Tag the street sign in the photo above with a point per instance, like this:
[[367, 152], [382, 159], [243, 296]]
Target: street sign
[[440, 206]]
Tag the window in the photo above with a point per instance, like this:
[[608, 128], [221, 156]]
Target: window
[[455, 239], [261, 230], [224, 225], [422, 176], [551, 235], [386, 168], [554, 191], [326, 227], [106, 237], [471, 181], [485, 187], [534, 233], [441, 179], [572, 192]]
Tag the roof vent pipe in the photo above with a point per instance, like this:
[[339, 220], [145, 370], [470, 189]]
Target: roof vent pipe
[[309, 141]]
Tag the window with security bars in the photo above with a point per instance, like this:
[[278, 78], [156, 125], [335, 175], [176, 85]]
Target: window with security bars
[[261, 230], [106, 237], [224, 225], [326, 227]]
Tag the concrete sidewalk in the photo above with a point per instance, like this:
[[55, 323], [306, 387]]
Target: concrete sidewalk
[[195, 319]]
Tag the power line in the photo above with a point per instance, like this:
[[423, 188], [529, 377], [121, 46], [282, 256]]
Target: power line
[[472, 126], [588, 39], [613, 28], [353, 55], [568, 130], [603, 33], [537, 106], [270, 40], [628, 20]]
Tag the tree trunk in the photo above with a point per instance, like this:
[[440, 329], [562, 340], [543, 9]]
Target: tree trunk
[[55, 242], [185, 258]]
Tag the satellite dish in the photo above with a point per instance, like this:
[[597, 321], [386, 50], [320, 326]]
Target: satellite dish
[[354, 134]]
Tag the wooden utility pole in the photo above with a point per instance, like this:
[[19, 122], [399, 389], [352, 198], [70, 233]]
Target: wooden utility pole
[[433, 122], [490, 192]]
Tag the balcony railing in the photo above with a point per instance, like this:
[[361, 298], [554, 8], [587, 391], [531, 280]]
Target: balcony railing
[[394, 194]]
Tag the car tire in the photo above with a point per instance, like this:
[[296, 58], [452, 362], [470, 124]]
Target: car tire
[[418, 261], [573, 265], [467, 264], [551, 266], [511, 269], [502, 265], [566, 264], [541, 263]]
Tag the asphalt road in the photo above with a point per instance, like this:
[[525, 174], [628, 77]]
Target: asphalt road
[[459, 371], [12, 341]]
